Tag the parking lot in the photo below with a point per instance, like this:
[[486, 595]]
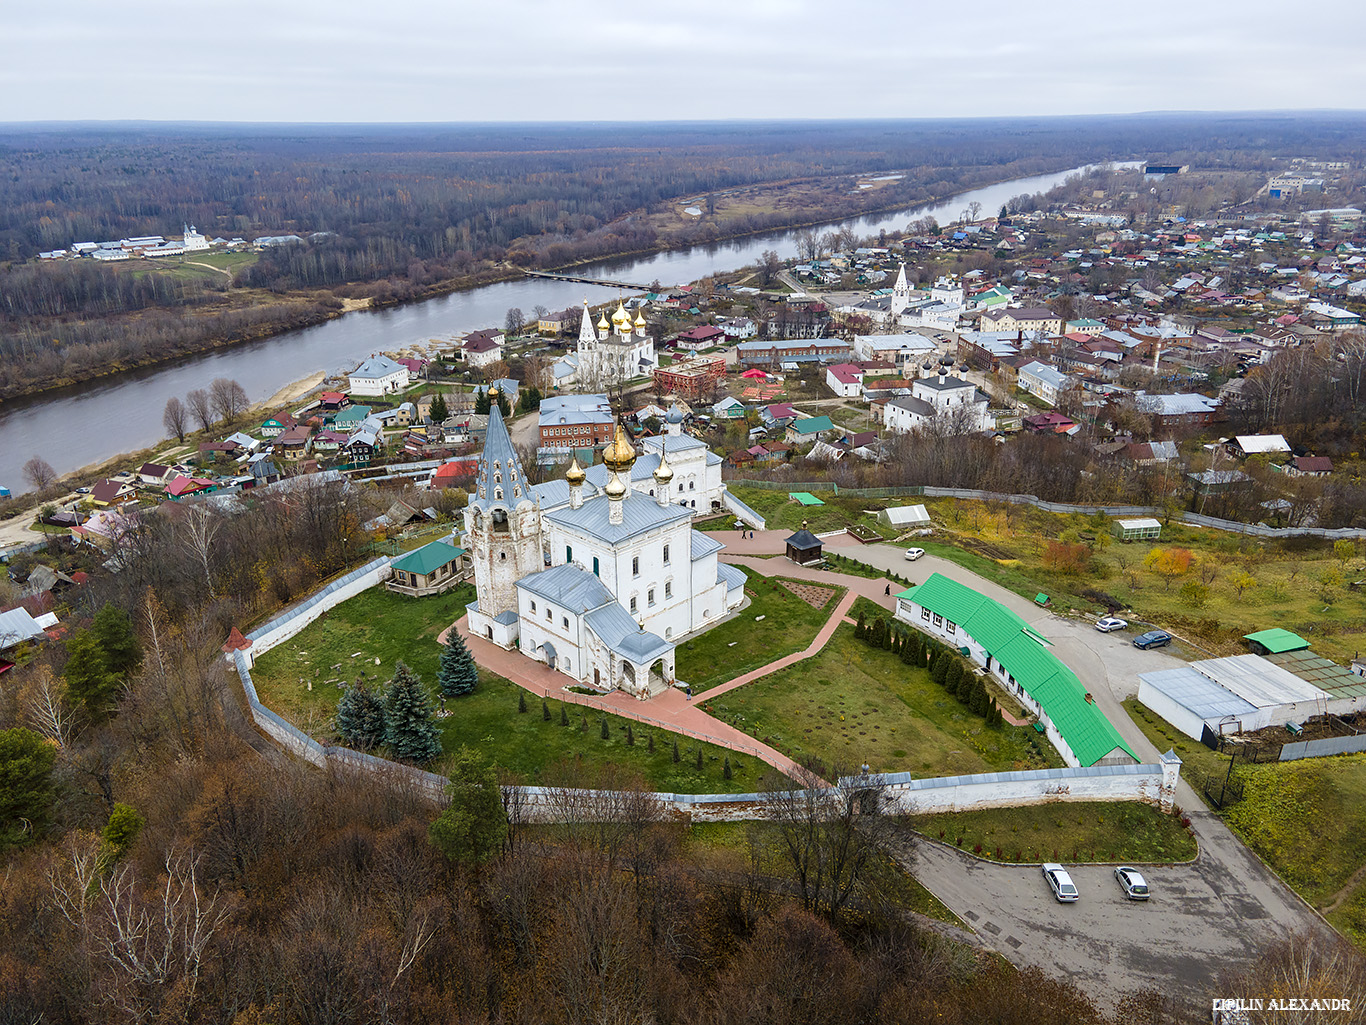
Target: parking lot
[[1201, 918]]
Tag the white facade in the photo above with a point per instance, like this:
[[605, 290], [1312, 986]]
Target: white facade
[[612, 353], [378, 375], [939, 397], [598, 587], [483, 356], [1044, 381]]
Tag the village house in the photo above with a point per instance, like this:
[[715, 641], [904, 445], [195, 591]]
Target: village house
[[378, 375]]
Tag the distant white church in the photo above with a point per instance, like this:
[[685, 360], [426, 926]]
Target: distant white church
[[598, 582], [616, 352]]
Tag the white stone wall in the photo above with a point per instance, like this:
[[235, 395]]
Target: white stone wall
[[286, 626], [501, 558]]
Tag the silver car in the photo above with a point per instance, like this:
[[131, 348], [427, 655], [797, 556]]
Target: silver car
[[1135, 887], [914, 553], [1061, 883]]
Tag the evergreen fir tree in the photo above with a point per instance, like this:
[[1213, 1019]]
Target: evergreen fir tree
[[675, 752], [954, 677], [908, 651], [651, 744], [725, 770], [606, 731], [456, 673], [439, 411], [583, 724], [89, 679], [940, 671], [360, 717], [409, 730], [699, 759], [114, 630], [521, 702], [545, 711], [564, 716], [482, 403], [861, 628], [630, 736]]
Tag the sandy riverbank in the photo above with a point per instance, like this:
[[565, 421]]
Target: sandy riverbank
[[293, 392]]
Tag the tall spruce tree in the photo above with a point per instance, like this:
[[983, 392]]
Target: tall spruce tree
[[114, 630], [360, 717], [473, 826], [439, 412], [456, 673], [89, 679], [409, 730]]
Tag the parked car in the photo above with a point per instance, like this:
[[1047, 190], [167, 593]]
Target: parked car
[[1153, 639], [1111, 623], [914, 553], [1061, 883], [1133, 884]]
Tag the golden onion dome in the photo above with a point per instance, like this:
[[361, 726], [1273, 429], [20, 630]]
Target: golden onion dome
[[664, 472], [602, 322], [575, 475], [640, 318], [615, 488], [619, 456]]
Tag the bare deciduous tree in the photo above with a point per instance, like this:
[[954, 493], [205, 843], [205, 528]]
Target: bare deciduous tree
[[201, 407], [228, 397], [199, 528], [39, 473], [174, 418], [45, 709]]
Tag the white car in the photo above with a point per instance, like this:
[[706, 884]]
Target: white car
[[914, 553], [1135, 887], [1110, 624], [1061, 883]]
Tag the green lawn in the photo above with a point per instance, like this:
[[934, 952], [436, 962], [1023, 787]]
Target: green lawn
[[853, 704], [1083, 831], [781, 513], [742, 644], [380, 624]]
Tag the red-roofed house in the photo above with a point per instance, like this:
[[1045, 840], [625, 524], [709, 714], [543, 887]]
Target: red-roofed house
[[844, 379], [696, 339], [1310, 466], [455, 472], [332, 400], [185, 485]]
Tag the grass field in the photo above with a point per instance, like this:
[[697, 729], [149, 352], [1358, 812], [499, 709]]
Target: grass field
[[853, 704], [1235, 584], [781, 513], [741, 644], [1084, 831], [380, 624]]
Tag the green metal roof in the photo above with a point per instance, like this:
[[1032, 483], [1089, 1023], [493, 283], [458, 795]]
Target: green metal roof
[[1025, 655], [426, 559], [1277, 640], [812, 425], [804, 498]]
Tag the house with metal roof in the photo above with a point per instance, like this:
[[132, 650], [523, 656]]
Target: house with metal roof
[[431, 569], [378, 375], [1019, 658]]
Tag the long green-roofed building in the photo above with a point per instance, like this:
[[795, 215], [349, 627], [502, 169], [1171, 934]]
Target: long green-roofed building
[[1018, 656]]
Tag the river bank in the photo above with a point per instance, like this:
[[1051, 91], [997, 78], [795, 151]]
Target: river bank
[[56, 387]]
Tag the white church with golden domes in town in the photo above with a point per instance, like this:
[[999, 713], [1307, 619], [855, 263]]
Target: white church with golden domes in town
[[612, 353], [599, 583]]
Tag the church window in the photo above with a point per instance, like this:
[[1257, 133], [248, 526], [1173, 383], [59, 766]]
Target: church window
[[680, 487], [502, 556], [565, 623], [635, 566], [666, 555], [692, 485], [533, 606], [650, 598], [668, 632], [550, 615], [595, 565], [568, 554], [634, 603], [497, 478], [497, 493], [668, 589]]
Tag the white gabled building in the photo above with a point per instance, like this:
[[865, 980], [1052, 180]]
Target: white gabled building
[[941, 397], [378, 375], [1044, 381]]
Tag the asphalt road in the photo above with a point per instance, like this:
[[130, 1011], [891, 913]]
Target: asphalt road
[[1226, 906]]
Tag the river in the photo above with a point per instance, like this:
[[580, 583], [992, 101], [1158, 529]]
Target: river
[[92, 422]]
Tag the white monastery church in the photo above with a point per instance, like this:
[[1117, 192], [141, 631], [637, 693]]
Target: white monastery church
[[616, 352], [598, 582]]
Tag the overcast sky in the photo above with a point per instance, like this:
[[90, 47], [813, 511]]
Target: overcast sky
[[537, 60]]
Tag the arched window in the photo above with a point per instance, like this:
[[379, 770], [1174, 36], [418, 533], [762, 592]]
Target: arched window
[[497, 494]]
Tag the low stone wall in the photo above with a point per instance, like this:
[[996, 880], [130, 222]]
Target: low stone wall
[[293, 620]]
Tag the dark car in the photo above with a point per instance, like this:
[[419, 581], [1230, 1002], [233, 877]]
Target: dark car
[[1153, 639]]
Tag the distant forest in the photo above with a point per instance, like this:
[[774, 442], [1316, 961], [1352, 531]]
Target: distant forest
[[401, 212]]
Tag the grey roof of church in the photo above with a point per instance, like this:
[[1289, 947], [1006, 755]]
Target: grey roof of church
[[614, 625], [703, 545], [498, 449], [671, 443], [639, 514], [555, 493], [732, 576], [568, 586]]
